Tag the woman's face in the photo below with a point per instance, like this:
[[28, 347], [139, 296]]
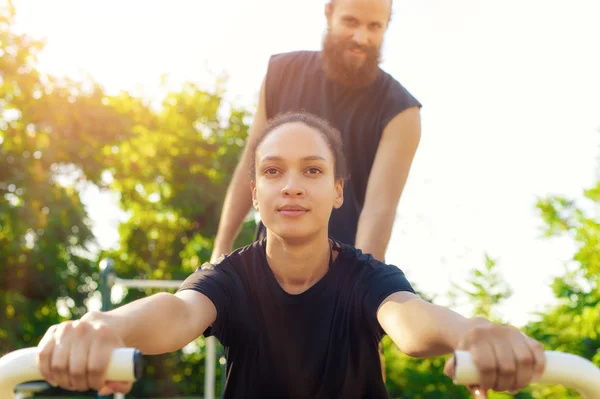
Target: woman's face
[[294, 188]]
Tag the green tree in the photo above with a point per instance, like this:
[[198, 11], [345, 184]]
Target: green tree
[[485, 290], [50, 131], [171, 176], [573, 325], [170, 167]]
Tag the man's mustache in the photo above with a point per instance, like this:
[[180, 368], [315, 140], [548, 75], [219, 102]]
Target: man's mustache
[[355, 46]]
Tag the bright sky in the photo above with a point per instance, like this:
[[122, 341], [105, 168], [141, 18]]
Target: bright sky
[[511, 95]]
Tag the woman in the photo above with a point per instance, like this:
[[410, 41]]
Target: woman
[[300, 315]]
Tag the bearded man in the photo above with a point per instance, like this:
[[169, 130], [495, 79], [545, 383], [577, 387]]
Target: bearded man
[[379, 121]]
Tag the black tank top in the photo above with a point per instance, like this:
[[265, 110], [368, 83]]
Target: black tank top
[[296, 82]]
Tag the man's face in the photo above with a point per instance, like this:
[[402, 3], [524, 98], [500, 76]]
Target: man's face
[[352, 44]]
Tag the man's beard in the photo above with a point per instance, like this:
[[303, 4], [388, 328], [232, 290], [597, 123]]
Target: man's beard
[[337, 68]]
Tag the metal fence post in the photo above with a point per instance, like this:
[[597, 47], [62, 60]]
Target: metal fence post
[[222, 362], [108, 276]]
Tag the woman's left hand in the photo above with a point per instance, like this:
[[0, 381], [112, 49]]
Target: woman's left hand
[[507, 359]]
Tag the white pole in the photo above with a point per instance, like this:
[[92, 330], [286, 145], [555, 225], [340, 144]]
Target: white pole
[[148, 283], [209, 368]]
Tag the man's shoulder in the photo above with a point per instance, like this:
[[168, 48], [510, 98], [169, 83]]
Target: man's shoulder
[[397, 91], [297, 54], [294, 57], [393, 85]]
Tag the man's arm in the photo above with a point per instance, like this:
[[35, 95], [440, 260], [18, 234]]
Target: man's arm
[[238, 199], [394, 158]]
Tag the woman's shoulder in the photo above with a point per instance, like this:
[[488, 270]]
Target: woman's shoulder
[[375, 278], [365, 262], [238, 258], [356, 257]]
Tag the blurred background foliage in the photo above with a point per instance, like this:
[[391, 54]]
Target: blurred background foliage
[[170, 166]]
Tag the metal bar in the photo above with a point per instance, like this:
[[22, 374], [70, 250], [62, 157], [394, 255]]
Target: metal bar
[[130, 283]]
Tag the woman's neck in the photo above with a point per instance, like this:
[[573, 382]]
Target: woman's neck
[[297, 266]]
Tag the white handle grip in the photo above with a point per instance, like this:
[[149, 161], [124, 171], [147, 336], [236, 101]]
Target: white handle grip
[[21, 366], [566, 369]]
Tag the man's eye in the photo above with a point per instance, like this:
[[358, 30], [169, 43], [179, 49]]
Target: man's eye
[[351, 22]]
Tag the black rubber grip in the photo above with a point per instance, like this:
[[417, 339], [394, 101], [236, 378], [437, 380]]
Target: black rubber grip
[[138, 364]]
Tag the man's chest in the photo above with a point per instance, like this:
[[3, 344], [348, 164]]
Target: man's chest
[[354, 113]]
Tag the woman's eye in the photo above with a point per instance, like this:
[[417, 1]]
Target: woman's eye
[[270, 171], [314, 170]]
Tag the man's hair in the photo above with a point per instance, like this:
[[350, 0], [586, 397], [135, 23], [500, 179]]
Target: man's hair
[[331, 135], [332, 3]]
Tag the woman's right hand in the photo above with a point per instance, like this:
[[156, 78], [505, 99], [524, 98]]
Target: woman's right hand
[[75, 355]]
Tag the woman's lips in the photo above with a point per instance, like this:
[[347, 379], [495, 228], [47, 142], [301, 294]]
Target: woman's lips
[[292, 210]]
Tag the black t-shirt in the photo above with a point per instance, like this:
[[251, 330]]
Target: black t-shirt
[[322, 343], [296, 82]]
